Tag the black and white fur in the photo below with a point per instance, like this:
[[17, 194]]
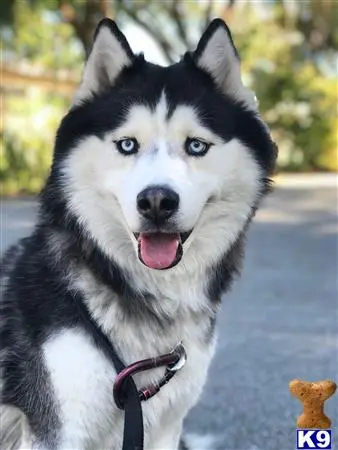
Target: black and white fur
[[56, 384]]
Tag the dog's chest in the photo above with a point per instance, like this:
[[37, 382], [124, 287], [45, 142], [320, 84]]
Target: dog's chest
[[82, 380]]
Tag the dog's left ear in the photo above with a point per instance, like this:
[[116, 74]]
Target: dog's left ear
[[109, 55], [217, 55]]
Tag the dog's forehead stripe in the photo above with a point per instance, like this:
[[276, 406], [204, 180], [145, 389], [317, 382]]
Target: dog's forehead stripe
[[162, 107]]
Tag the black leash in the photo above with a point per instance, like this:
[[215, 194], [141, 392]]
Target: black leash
[[126, 394], [133, 420]]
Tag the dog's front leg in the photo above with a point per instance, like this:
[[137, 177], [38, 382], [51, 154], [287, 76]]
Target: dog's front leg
[[165, 437]]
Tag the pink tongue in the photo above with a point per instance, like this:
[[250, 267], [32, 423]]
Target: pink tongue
[[158, 251]]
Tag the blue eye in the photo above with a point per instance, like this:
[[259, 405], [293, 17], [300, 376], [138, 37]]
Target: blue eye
[[127, 146], [196, 147]]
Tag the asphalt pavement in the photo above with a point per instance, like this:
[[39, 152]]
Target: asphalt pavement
[[279, 322]]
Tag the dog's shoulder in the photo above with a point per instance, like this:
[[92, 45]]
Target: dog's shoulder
[[33, 307], [11, 256]]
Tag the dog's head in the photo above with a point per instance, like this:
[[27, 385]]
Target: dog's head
[[155, 161]]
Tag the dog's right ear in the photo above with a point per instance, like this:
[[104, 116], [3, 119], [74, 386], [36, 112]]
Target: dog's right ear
[[109, 55], [217, 55]]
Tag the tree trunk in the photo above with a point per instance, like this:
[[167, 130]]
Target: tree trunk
[[85, 24]]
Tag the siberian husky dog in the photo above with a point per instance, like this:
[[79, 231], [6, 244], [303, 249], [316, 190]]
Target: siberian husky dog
[[157, 172]]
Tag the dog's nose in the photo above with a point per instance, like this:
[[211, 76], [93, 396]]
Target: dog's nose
[[157, 203]]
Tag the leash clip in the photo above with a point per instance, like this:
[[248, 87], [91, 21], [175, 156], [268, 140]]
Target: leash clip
[[173, 361], [180, 351]]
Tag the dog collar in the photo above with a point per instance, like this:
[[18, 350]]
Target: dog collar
[[173, 361]]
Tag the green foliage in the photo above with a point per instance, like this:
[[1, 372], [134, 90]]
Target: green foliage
[[6, 12], [30, 116], [38, 37], [23, 172], [297, 100], [26, 155]]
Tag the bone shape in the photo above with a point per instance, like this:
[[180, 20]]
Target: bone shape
[[313, 396]]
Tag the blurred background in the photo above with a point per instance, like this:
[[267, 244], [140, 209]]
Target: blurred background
[[288, 48], [280, 321]]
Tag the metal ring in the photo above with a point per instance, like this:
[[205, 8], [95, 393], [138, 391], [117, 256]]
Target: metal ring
[[182, 358]]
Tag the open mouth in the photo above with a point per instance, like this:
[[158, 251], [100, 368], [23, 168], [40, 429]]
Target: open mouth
[[160, 250]]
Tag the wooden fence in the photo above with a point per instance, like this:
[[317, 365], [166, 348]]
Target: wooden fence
[[11, 79]]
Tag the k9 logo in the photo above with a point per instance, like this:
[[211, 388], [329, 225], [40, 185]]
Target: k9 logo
[[313, 439]]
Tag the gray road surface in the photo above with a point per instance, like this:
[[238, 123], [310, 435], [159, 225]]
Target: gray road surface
[[279, 322]]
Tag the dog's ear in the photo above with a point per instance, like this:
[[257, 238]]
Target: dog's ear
[[110, 53], [217, 55]]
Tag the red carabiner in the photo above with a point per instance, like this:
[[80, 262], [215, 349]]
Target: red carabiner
[[174, 361]]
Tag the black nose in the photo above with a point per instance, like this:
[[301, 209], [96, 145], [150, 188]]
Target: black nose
[[157, 203]]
